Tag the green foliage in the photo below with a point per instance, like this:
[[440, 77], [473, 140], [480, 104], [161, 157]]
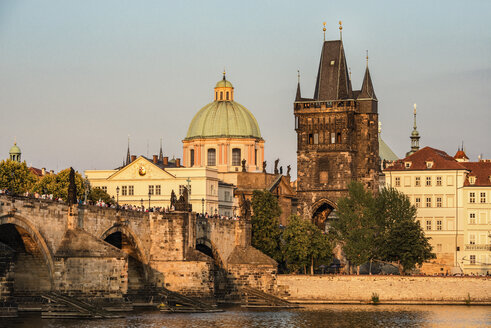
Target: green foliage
[[58, 185], [266, 230], [305, 245], [97, 194], [375, 299], [16, 177], [382, 228], [355, 228]]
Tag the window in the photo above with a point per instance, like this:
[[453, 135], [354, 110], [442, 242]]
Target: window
[[439, 225], [483, 197], [438, 202], [221, 95], [191, 157], [104, 188], [438, 181], [255, 156], [417, 181], [227, 95], [472, 259], [182, 187], [338, 137], [428, 201], [157, 190], [472, 239], [296, 123], [333, 137], [439, 247], [131, 190], [429, 164], [428, 181], [417, 202], [316, 138], [398, 181], [311, 139], [151, 190], [472, 197], [407, 165], [124, 190], [472, 180], [236, 157], [428, 224], [211, 157], [472, 218], [227, 195]]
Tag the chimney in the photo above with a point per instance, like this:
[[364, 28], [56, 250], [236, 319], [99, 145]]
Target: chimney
[[178, 162], [155, 159], [51, 172], [166, 160], [133, 158], [43, 171]]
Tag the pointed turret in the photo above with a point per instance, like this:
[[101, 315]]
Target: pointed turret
[[367, 91], [298, 97], [128, 156], [161, 154], [333, 81]]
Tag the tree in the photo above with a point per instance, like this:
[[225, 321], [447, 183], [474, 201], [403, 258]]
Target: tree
[[57, 185], [402, 239], [97, 194], [356, 229], [266, 230], [304, 244], [16, 177]]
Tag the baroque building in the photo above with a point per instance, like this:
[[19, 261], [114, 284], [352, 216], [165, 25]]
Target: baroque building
[[337, 136]]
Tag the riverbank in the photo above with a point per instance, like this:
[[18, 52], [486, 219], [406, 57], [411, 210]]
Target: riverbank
[[382, 289]]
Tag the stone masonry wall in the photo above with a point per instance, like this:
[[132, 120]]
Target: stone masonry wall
[[390, 289]]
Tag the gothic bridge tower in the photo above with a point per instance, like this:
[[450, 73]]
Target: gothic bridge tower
[[337, 136]]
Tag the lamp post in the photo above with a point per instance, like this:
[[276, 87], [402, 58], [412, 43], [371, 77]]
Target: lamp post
[[141, 203], [202, 206], [149, 194], [117, 196]]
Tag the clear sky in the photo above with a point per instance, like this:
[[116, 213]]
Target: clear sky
[[76, 77]]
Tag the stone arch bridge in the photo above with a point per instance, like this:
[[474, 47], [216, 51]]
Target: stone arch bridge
[[96, 252]]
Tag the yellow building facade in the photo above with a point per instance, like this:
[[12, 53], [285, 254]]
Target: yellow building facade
[[142, 182]]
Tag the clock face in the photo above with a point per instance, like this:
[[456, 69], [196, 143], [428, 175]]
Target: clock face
[[142, 171]]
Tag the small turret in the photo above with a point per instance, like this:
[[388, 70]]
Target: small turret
[[414, 137], [15, 153]]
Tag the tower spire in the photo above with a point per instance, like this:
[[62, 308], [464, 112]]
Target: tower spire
[[161, 154], [298, 95], [128, 156], [414, 136]]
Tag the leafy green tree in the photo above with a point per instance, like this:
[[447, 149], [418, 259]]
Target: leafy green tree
[[305, 245], [58, 185], [356, 228], [266, 232], [16, 177], [402, 240], [97, 194]]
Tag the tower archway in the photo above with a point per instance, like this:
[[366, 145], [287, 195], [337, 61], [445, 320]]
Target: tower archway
[[323, 213]]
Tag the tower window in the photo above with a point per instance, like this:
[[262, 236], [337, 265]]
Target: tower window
[[227, 95], [338, 138], [221, 95], [216, 95], [236, 156], [316, 138], [191, 157], [255, 156], [211, 157], [333, 137], [311, 139]]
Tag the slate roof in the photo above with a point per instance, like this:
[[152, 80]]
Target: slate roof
[[367, 90], [333, 81], [441, 161], [385, 152], [480, 170]]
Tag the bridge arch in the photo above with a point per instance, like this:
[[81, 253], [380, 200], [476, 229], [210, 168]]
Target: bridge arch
[[207, 247], [124, 238], [323, 211], [18, 232]]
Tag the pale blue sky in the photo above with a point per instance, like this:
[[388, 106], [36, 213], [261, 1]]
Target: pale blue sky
[[77, 77]]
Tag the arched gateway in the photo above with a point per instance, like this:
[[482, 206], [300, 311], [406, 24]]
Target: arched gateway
[[323, 211]]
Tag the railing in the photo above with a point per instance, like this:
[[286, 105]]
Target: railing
[[479, 247]]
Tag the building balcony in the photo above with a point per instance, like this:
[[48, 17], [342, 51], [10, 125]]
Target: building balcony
[[477, 247]]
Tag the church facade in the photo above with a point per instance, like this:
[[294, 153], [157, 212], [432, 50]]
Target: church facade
[[337, 136]]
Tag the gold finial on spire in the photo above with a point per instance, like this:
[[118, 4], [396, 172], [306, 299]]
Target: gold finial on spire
[[224, 73], [298, 75], [415, 109], [349, 73], [379, 127], [15, 140], [367, 58], [340, 30], [324, 29]]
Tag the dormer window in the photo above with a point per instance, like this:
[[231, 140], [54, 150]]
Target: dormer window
[[429, 164], [472, 180], [407, 165]]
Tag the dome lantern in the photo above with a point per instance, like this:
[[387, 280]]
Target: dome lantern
[[224, 90], [15, 153]]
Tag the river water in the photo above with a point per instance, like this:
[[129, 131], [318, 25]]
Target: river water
[[308, 316]]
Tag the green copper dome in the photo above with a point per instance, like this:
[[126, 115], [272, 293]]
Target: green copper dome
[[223, 119], [224, 84], [14, 150]]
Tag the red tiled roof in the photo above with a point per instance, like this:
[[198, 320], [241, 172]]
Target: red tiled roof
[[441, 161], [480, 170], [460, 154], [36, 171]]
